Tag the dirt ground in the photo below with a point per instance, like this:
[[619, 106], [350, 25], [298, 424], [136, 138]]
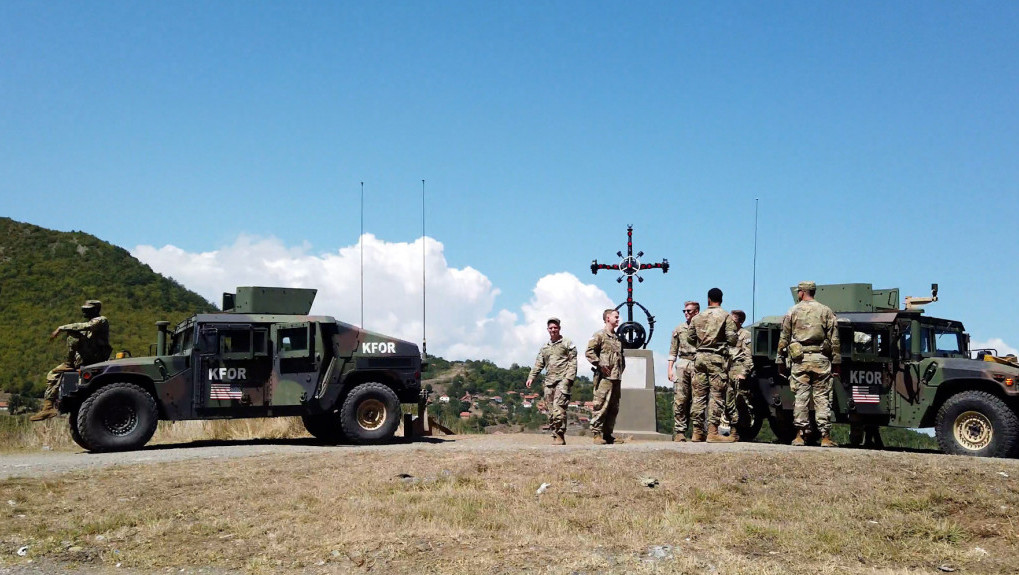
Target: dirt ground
[[506, 504]]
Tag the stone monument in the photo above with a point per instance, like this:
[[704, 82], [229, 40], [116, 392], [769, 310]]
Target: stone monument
[[637, 416]]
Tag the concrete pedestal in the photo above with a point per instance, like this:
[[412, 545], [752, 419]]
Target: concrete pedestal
[[637, 417]]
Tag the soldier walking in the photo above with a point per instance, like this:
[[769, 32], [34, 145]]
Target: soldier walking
[[741, 362], [605, 352], [88, 342], [681, 356], [810, 340], [558, 358], [712, 333]]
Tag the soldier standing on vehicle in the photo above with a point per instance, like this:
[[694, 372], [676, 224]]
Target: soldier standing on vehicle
[[605, 352], [712, 332], [810, 340], [88, 342], [680, 370], [741, 362], [558, 358]]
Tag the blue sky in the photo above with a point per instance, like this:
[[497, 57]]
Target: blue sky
[[878, 137]]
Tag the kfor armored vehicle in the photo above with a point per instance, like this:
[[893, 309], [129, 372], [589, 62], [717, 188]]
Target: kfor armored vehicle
[[901, 368], [263, 356]]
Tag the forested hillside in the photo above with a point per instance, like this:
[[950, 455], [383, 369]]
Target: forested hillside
[[46, 275]]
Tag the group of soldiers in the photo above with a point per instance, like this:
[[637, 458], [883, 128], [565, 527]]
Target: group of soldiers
[[558, 358], [710, 362], [88, 342]]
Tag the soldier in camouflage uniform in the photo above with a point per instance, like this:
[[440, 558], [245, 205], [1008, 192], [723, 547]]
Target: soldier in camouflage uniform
[[558, 358], [810, 340], [605, 352], [712, 332], [681, 356], [741, 362], [88, 342]]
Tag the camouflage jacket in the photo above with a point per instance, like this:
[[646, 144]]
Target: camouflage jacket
[[558, 359], [94, 340], [740, 356], [679, 348], [811, 325], [606, 349], [712, 331]]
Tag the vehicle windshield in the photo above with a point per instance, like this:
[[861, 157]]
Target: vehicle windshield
[[181, 341]]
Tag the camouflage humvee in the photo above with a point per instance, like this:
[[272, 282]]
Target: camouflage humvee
[[263, 356], [900, 368]]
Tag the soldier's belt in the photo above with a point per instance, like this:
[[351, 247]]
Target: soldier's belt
[[813, 348], [711, 350], [687, 356]]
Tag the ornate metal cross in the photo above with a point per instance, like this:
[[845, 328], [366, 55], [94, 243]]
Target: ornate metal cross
[[631, 332]]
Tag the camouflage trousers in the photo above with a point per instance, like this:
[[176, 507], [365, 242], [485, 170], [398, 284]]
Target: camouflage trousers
[[53, 381], [606, 406], [683, 371], [710, 381], [737, 401], [557, 400], [811, 380]]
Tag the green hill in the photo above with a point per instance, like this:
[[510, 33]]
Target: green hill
[[46, 275]]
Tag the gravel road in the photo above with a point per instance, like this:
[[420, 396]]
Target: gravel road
[[43, 463]]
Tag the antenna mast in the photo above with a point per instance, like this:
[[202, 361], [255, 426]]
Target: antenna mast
[[753, 296], [360, 240], [424, 286]]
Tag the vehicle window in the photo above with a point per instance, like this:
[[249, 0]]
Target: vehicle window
[[259, 341], [235, 341], [293, 339], [947, 342], [926, 334], [180, 342], [870, 343]]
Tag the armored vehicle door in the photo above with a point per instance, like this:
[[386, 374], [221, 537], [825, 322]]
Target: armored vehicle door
[[233, 369], [868, 370], [297, 361]]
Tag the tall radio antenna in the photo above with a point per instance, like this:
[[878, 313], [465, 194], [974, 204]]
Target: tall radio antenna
[[424, 286], [361, 241], [753, 296]]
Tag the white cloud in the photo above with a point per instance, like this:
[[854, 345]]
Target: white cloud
[[995, 343], [462, 321]]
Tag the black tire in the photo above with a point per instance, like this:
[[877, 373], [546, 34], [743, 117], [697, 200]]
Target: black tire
[[782, 426], [117, 417], [370, 413], [325, 427], [72, 419], [749, 432], [977, 423]]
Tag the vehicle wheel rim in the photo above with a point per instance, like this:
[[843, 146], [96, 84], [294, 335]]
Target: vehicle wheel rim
[[371, 414], [120, 419], [973, 430]]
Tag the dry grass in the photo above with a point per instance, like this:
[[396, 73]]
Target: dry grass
[[472, 511], [17, 433]]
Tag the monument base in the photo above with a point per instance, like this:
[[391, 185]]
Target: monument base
[[637, 417]]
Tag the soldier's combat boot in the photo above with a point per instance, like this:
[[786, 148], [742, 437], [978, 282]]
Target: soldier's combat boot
[[698, 435], [599, 440], [826, 440], [734, 434], [714, 437], [679, 437], [48, 410], [558, 440], [799, 438]]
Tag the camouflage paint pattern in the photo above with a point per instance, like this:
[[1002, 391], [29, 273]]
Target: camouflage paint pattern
[[605, 350], [204, 376], [741, 362], [683, 393]]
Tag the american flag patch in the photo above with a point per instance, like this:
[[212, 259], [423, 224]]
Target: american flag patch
[[224, 391], [864, 394]]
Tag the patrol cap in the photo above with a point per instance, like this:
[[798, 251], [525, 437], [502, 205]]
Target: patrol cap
[[92, 304], [554, 320], [807, 286]]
